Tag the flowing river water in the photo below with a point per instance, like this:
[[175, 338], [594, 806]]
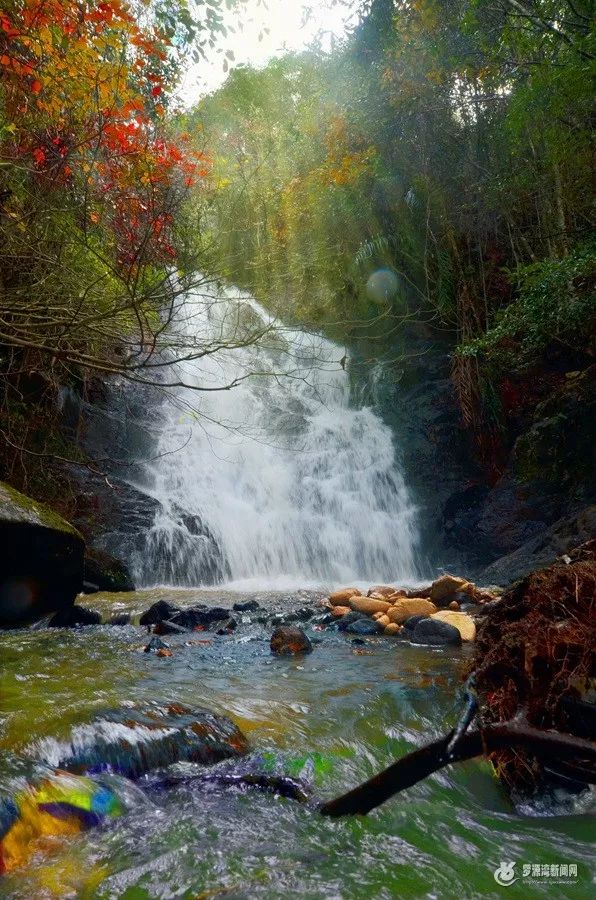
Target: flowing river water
[[313, 496]]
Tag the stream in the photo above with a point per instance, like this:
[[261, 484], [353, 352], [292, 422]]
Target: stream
[[334, 717]]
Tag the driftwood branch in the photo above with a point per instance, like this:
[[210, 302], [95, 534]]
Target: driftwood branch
[[434, 756]]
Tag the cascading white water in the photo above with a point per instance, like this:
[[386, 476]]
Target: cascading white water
[[279, 481]]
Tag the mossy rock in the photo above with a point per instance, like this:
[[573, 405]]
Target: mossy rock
[[41, 560]]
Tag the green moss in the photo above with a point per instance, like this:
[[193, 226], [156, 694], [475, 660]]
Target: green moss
[[21, 509]]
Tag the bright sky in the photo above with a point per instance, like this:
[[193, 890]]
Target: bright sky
[[288, 31]]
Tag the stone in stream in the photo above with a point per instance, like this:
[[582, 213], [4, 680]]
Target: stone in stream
[[462, 621], [349, 618], [166, 627], [74, 617], [365, 627], [159, 612], [288, 640], [246, 606], [42, 560], [135, 740], [200, 616], [405, 607], [156, 643], [342, 597], [369, 605], [434, 633]]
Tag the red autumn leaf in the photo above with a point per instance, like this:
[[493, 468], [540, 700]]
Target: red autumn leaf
[[156, 91], [36, 86]]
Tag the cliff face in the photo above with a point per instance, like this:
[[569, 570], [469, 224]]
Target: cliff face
[[540, 506]]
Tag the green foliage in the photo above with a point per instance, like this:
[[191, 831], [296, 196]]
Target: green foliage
[[554, 303]]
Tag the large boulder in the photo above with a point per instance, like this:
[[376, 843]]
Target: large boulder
[[41, 563]]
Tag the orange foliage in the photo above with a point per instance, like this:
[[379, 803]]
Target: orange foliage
[[85, 92]]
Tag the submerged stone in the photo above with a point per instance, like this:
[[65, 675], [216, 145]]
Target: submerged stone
[[133, 741], [74, 617]]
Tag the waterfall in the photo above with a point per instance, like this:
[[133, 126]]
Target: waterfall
[[279, 481]]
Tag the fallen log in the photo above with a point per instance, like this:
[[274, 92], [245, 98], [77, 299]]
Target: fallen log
[[421, 763]]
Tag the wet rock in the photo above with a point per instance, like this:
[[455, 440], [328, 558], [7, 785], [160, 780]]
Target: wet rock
[[225, 627], [289, 640], [462, 621], [246, 606], [392, 629], [543, 549], [368, 605], [444, 588], [200, 616], [434, 633], [410, 624], [74, 617], [149, 737], [154, 644], [342, 597], [159, 612], [338, 611], [349, 618], [119, 619], [383, 590], [324, 618], [167, 627], [164, 652], [405, 607], [384, 620], [365, 627], [42, 560], [103, 572], [299, 615]]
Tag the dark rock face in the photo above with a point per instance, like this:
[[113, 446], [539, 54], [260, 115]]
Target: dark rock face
[[287, 640], [542, 549], [103, 572], [73, 617], [157, 737], [434, 633], [41, 566]]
